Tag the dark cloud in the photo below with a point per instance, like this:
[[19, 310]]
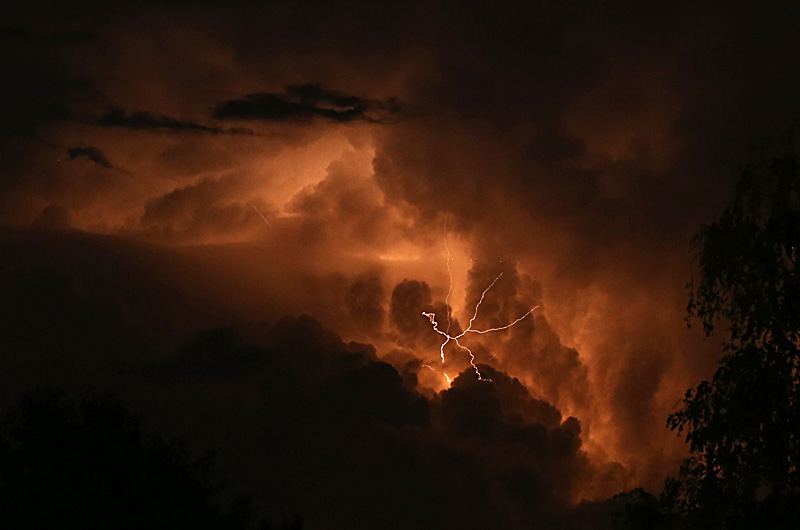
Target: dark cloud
[[92, 153], [365, 301], [47, 323], [590, 145], [478, 454], [635, 400], [581, 145], [76, 297], [54, 217], [211, 207], [305, 421], [147, 121], [306, 102], [532, 347], [506, 402], [409, 299]]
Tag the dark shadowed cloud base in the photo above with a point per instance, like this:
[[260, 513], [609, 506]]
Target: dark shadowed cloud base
[[306, 102], [147, 121]]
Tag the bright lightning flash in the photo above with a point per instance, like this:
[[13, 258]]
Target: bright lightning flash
[[429, 367], [455, 338]]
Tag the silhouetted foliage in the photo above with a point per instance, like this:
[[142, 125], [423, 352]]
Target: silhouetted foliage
[[641, 510], [743, 426], [88, 464]]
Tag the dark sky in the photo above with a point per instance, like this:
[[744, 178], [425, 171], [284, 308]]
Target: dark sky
[[234, 214]]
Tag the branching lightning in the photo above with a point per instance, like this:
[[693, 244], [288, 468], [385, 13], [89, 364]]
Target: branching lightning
[[429, 367], [455, 338]]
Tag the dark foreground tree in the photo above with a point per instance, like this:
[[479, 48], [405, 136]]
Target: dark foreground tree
[[743, 426], [88, 464]]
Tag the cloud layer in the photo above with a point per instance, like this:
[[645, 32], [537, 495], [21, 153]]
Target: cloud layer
[[573, 149], [306, 421]]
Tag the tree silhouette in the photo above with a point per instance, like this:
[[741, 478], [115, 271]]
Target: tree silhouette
[[88, 464], [743, 426]]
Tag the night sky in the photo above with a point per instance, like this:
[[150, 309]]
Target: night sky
[[234, 214]]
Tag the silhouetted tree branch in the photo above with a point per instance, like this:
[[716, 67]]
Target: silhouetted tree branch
[[743, 426]]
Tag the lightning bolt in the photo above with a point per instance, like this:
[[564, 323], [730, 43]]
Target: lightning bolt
[[431, 368], [261, 214], [455, 338], [449, 289]]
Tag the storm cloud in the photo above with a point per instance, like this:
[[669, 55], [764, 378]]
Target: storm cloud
[[325, 415], [306, 102], [404, 156], [144, 121], [92, 153]]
